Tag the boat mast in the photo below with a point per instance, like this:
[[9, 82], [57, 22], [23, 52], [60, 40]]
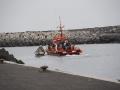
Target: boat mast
[[61, 27]]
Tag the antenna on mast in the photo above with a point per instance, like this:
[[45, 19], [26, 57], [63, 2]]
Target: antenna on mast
[[61, 27]]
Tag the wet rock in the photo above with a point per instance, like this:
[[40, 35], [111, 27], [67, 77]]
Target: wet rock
[[19, 62], [2, 61], [9, 57]]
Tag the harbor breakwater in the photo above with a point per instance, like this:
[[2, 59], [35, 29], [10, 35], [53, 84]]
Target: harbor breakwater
[[110, 34]]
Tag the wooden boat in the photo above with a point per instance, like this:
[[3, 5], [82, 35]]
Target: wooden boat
[[61, 46]]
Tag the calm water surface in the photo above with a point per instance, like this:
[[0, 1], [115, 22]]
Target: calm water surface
[[101, 61]]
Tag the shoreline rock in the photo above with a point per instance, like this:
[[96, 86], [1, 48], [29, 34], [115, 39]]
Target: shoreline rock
[[9, 57]]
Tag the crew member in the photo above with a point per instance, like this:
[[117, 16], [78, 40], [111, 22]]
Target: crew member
[[66, 45]]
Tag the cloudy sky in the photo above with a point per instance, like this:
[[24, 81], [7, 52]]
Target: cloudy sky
[[37, 15]]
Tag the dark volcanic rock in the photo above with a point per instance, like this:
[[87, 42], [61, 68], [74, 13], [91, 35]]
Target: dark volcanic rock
[[9, 57]]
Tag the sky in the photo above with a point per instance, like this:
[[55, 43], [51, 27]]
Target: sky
[[42, 15]]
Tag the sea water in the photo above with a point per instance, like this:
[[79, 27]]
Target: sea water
[[100, 61]]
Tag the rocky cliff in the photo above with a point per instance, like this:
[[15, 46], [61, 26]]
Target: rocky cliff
[[110, 34]]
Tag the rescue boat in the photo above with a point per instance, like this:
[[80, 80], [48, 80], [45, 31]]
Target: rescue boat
[[61, 45]]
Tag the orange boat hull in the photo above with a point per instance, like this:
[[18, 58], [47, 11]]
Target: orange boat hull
[[63, 53]]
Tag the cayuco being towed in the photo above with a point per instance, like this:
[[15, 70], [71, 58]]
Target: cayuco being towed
[[61, 46]]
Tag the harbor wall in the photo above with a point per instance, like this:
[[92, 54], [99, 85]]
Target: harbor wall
[[110, 34]]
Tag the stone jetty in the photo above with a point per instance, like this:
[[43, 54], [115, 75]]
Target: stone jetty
[[109, 34]]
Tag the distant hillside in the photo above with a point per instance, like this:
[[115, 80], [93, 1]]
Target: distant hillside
[[110, 34]]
